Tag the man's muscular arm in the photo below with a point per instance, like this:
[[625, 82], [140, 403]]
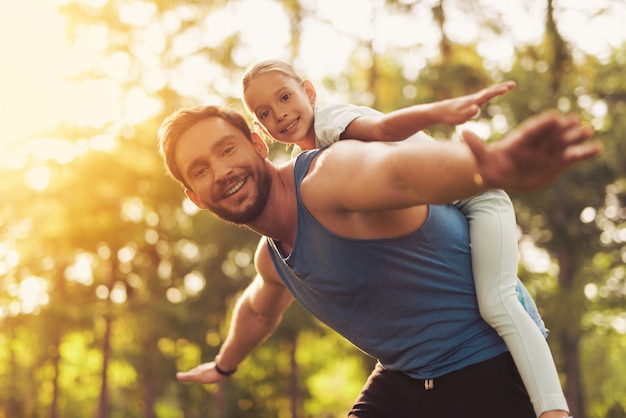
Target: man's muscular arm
[[353, 176], [257, 313]]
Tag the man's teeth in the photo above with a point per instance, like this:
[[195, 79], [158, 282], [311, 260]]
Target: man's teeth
[[235, 188]]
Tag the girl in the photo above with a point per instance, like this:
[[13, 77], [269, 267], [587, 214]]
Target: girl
[[284, 107]]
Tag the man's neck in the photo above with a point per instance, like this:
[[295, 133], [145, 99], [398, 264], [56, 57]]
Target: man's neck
[[279, 218]]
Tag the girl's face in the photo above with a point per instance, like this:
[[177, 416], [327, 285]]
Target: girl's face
[[283, 106]]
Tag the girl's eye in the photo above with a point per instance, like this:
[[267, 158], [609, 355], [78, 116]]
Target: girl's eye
[[263, 114], [285, 97]]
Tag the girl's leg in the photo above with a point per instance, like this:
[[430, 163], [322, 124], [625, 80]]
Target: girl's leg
[[493, 239]]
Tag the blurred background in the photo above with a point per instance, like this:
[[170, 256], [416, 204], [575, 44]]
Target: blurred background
[[111, 281]]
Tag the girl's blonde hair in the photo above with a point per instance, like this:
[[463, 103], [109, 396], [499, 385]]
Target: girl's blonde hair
[[263, 67]]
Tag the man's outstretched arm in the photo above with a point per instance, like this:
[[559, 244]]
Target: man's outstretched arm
[[401, 175], [257, 313]]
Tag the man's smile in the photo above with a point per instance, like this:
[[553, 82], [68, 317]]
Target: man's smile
[[235, 188]]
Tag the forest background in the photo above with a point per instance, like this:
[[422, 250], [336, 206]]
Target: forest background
[[111, 281]]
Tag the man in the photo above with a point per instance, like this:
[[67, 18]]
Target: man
[[362, 235]]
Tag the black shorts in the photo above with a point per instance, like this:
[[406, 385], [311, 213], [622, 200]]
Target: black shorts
[[489, 389]]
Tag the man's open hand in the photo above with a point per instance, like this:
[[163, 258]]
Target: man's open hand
[[204, 373], [533, 155]]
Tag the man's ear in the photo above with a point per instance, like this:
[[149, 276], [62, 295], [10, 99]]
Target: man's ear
[[259, 127], [263, 133], [194, 198], [259, 145], [309, 88]]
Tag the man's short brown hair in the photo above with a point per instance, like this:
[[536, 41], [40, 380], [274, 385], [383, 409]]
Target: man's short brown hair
[[176, 124]]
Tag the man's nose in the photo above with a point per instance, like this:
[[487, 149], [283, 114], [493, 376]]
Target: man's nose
[[221, 170]]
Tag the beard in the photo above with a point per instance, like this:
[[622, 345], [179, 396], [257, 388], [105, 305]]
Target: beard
[[252, 210]]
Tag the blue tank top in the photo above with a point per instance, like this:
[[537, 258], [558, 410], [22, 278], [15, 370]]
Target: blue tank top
[[407, 301]]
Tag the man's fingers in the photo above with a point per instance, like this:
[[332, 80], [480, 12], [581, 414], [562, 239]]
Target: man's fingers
[[200, 374], [579, 153], [545, 127], [475, 144], [189, 376], [183, 376], [578, 134]]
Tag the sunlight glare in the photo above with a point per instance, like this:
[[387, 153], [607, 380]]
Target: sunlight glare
[[188, 249], [102, 142], [132, 210], [601, 33], [81, 270], [139, 106], [194, 283], [164, 269], [11, 258], [151, 236], [269, 37], [126, 254], [102, 292], [588, 215], [536, 260], [59, 150], [31, 44], [92, 3], [174, 295], [33, 292], [619, 324], [591, 291], [137, 13], [38, 178], [118, 293], [480, 128], [189, 207]]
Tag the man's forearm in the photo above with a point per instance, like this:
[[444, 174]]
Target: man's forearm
[[248, 330], [527, 159]]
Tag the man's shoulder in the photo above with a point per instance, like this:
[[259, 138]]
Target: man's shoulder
[[264, 264], [340, 161]]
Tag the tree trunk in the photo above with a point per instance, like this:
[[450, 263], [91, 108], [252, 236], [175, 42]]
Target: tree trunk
[[149, 396], [569, 338], [15, 405], [103, 401], [148, 378], [106, 353], [444, 44], [295, 398], [55, 379]]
